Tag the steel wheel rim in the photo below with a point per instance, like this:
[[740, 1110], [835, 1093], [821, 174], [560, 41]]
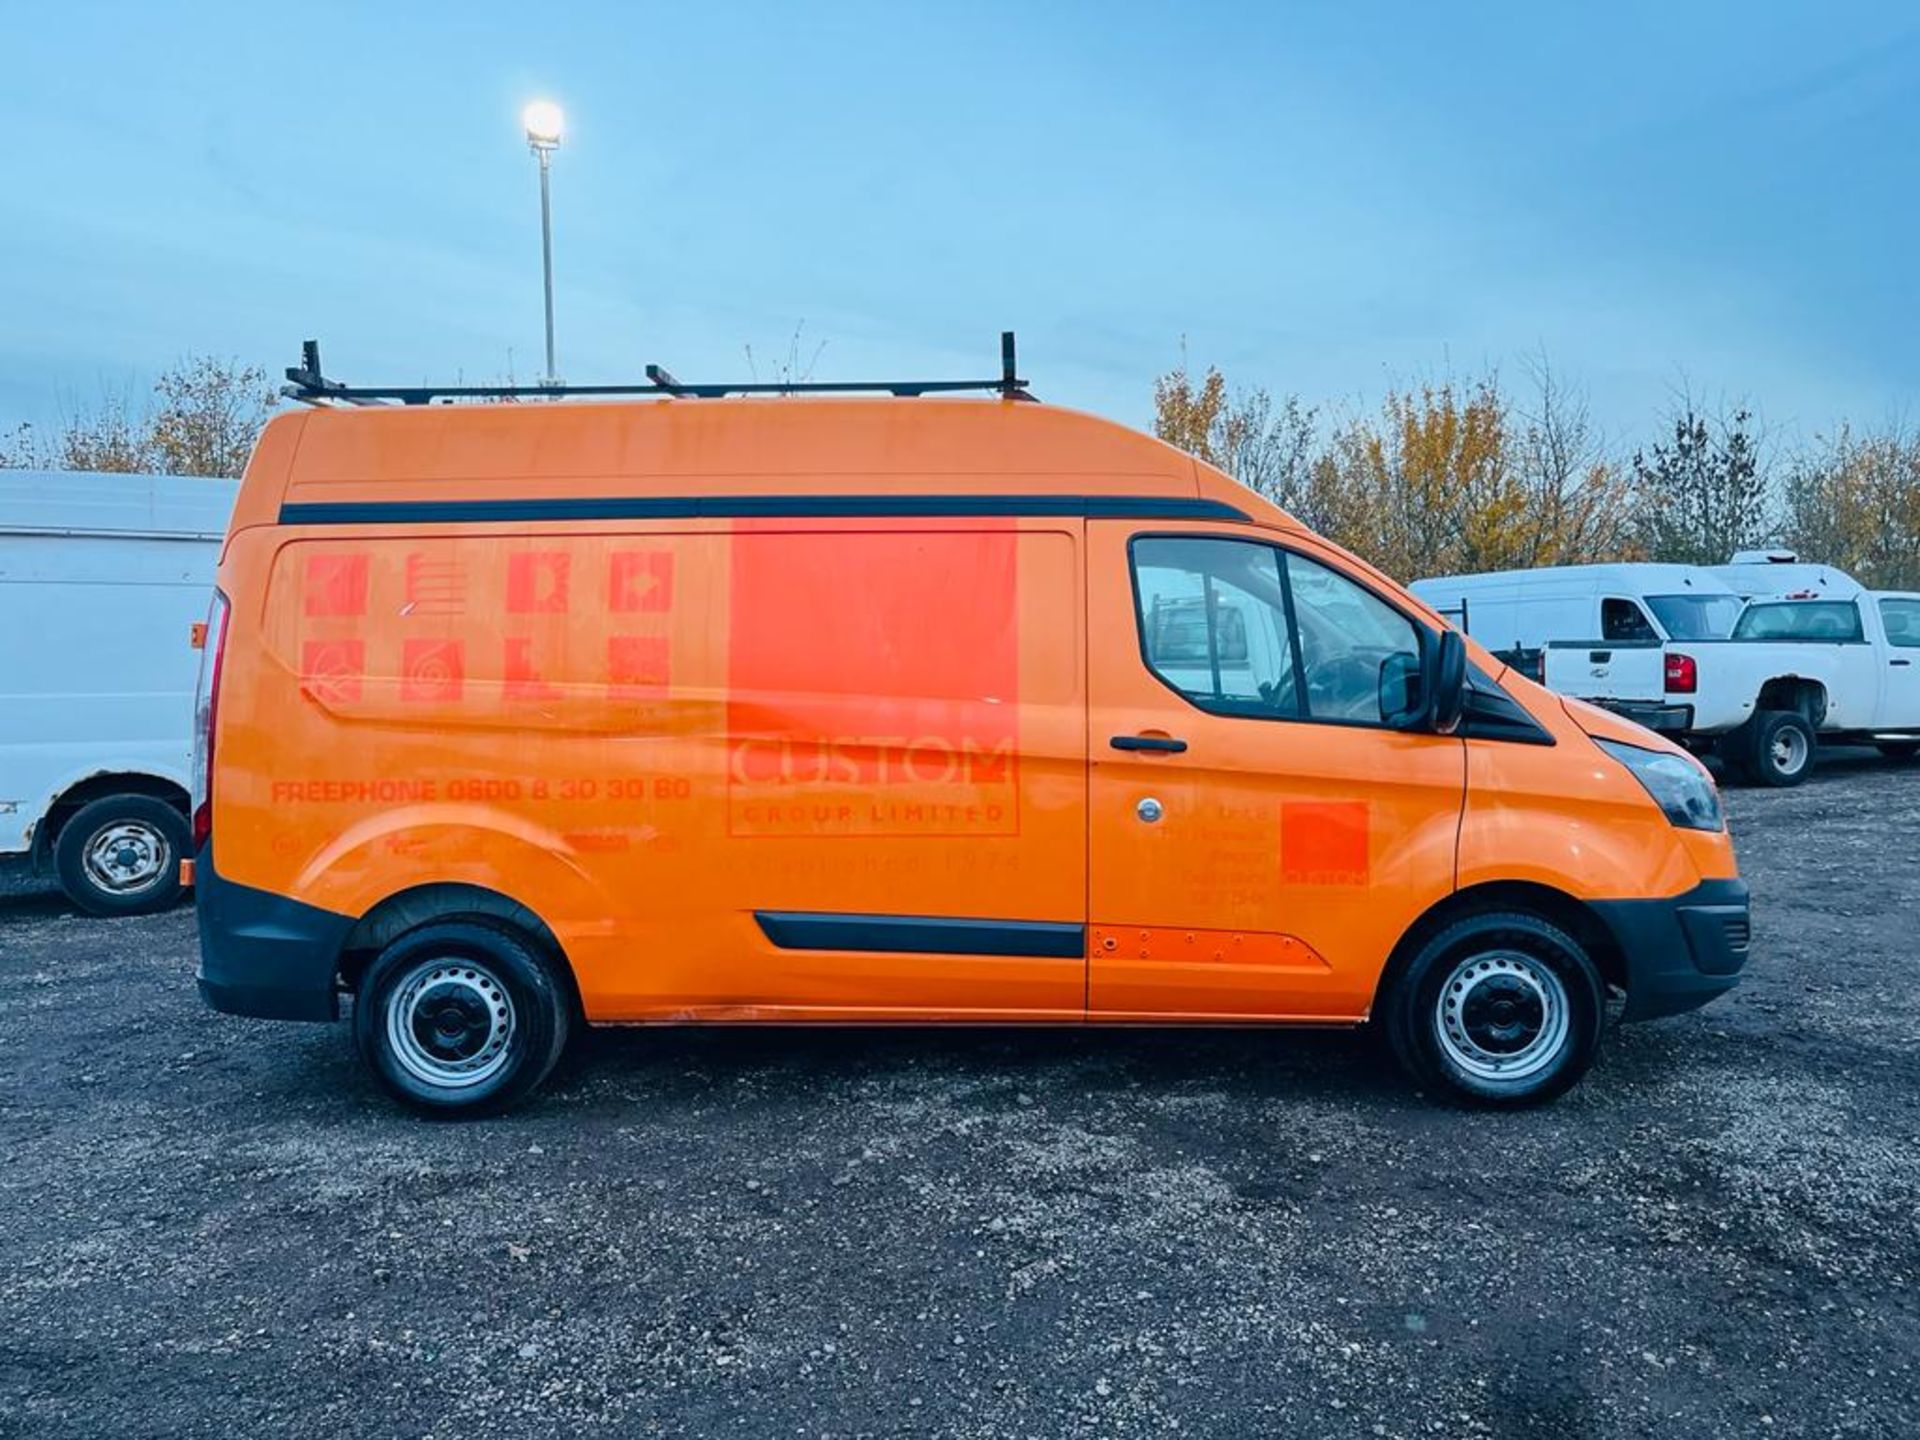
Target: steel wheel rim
[[127, 857], [1502, 1015], [450, 1023], [1789, 751]]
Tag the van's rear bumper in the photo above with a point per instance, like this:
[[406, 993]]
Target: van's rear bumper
[[1681, 951], [262, 954]]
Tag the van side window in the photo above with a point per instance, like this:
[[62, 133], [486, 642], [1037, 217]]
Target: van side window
[[1348, 635], [1624, 622], [1902, 619], [1213, 624]]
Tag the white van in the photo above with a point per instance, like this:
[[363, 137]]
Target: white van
[[102, 581], [1781, 572], [1518, 613]]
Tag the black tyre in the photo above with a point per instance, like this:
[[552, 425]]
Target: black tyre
[[1901, 750], [1780, 748], [1500, 1009], [120, 855], [461, 1018]]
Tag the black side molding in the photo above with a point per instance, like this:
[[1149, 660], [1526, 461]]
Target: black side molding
[[735, 507], [922, 934]]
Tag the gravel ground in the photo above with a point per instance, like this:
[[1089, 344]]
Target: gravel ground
[[215, 1227]]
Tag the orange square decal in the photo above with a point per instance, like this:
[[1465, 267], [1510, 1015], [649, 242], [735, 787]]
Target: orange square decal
[[432, 672], [1324, 842], [523, 679], [331, 670], [640, 580], [537, 582], [336, 585], [637, 667]]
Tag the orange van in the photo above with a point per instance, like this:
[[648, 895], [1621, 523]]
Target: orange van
[[681, 709]]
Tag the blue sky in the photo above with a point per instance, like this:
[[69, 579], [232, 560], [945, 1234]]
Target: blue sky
[[1323, 199]]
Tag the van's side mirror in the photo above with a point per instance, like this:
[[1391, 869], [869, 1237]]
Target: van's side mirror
[[1402, 691], [1446, 687]]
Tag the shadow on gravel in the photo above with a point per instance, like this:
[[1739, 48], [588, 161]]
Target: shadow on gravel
[[688, 1062]]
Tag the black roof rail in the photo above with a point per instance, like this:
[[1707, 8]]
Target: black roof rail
[[307, 381]]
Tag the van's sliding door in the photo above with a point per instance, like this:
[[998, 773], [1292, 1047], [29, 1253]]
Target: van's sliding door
[[905, 793]]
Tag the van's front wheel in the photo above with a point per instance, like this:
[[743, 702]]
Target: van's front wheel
[[459, 1018], [1500, 1009]]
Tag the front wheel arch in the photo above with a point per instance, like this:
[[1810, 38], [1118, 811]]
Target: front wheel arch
[[1556, 907]]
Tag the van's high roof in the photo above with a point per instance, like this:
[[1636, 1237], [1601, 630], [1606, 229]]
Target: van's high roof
[[1628, 577], [86, 502], [371, 464]]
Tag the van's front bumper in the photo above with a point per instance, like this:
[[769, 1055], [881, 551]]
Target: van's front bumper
[[1682, 951], [262, 954]]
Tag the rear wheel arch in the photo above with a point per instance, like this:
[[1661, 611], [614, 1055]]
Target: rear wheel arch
[[100, 786], [1797, 693], [1557, 907], [430, 904]]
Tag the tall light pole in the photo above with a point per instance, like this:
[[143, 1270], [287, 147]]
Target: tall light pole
[[543, 122]]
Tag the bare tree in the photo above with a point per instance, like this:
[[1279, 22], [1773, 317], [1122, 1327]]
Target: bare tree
[[1704, 494], [1579, 503]]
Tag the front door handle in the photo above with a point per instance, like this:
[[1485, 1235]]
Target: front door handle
[[1164, 743], [1900, 662]]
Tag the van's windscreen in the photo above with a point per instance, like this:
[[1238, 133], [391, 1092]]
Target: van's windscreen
[[1696, 617]]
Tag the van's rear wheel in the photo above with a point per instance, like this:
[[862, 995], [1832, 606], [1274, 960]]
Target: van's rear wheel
[[1499, 1009], [120, 855], [1780, 747], [458, 1018]]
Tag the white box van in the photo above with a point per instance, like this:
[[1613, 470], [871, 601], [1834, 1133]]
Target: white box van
[[1626, 613], [102, 580]]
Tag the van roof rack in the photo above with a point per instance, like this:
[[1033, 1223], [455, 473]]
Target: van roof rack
[[307, 381]]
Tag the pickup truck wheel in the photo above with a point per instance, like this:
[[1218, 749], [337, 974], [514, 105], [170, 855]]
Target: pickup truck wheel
[[458, 1018], [1899, 749], [120, 855], [1781, 748], [1500, 1009]]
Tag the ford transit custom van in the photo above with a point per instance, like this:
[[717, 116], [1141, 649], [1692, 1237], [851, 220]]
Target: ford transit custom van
[[515, 718]]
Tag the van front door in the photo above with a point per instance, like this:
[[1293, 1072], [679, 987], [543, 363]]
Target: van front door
[[1260, 838]]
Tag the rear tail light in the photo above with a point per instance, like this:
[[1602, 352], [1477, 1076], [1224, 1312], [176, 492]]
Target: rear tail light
[[1683, 676], [206, 705]]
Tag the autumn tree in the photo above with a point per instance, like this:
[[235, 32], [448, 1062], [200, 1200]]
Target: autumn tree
[[204, 415], [1854, 502], [207, 414], [1704, 494]]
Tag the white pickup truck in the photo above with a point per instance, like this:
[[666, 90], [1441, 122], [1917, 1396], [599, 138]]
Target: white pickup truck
[[1796, 670]]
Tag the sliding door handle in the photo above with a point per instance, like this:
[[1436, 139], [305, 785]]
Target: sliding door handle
[[1164, 743]]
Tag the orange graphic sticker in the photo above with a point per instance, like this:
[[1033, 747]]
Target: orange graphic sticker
[[873, 684], [523, 679], [637, 667], [331, 670], [640, 580], [336, 585], [1324, 842], [537, 582], [433, 672], [434, 585]]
